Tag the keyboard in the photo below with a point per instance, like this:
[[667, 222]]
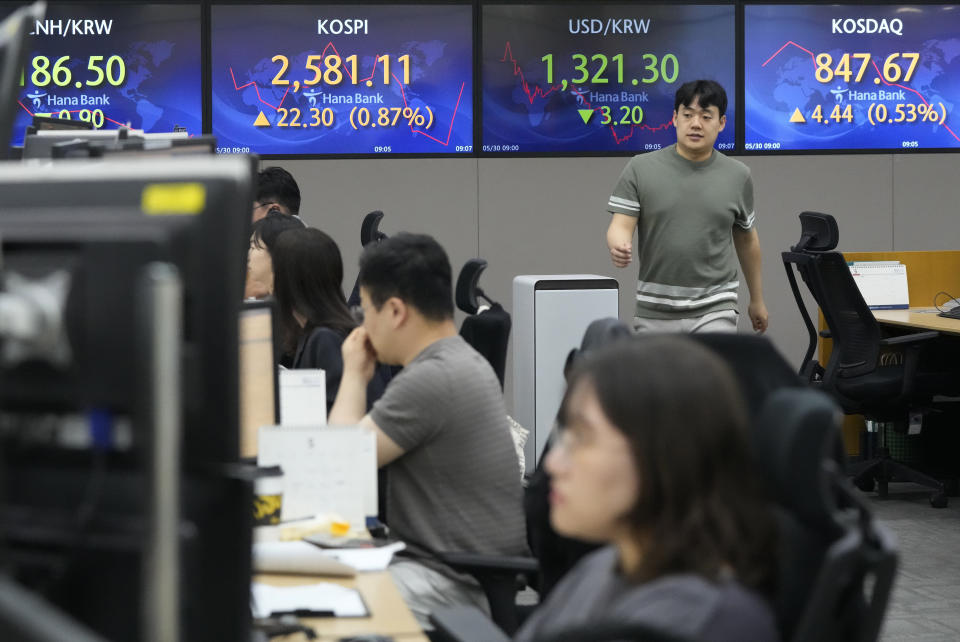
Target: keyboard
[[953, 313]]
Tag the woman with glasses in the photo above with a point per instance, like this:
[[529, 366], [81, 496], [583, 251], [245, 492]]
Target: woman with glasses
[[652, 460], [312, 311]]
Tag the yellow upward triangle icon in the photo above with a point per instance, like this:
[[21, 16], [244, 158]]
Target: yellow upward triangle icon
[[797, 116], [261, 121]]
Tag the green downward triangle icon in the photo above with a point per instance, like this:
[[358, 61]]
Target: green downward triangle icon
[[585, 114]]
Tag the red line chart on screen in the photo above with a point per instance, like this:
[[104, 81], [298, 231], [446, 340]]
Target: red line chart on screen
[[376, 61], [879, 77], [535, 92]]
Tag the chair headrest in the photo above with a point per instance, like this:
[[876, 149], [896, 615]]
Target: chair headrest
[[369, 229], [796, 441], [467, 290], [598, 334], [818, 233]]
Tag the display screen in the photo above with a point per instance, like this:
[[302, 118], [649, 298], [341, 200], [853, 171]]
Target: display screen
[[851, 77], [135, 65], [600, 78], [343, 79]]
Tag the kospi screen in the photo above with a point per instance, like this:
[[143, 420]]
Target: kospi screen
[[343, 79], [135, 65], [598, 78], [851, 77]]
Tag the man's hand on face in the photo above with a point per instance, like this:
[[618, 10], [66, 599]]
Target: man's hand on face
[[359, 357]]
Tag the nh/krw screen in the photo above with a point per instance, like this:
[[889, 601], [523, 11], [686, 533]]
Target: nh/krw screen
[[598, 77], [135, 65], [851, 77], [343, 79]]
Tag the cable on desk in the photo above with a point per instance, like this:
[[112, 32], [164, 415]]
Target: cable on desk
[[949, 296]]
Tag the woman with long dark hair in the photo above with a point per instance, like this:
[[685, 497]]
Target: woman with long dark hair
[[652, 460], [312, 311], [263, 236]]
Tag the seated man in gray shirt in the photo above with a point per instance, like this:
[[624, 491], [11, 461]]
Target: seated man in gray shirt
[[441, 424]]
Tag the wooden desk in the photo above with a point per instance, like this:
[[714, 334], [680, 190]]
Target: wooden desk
[[389, 614], [918, 318]]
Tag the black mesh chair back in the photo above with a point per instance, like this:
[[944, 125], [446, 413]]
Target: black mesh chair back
[[369, 233], [855, 331], [488, 329], [818, 233]]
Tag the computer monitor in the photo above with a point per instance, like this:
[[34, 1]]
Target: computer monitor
[[13, 35], [154, 146], [40, 144], [258, 373], [133, 146], [77, 517]]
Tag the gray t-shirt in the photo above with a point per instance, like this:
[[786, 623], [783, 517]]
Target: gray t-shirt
[[686, 212], [686, 605], [457, 486]]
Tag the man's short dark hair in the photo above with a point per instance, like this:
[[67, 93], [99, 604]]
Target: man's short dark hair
[[707, 93], [413, 268], [276, 185]]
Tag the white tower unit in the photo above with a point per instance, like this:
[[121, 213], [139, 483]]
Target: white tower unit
[[550, 314]]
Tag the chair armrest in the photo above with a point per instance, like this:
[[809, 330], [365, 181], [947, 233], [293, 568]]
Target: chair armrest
[[909, 338], [465, 624], [911, 356], [478, 562]]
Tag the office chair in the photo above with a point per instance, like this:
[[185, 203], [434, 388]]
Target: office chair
[[487, 328], [369, 233], [880, 378], [818, 234], [759, 367], [836, 564]]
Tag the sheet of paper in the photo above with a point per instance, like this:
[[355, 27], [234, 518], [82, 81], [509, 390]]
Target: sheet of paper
[[365, 559], [303, 398], [322, 597], [301, 558], [325, 470]]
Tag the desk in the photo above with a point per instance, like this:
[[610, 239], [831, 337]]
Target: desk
[[389, 615], [918, 318]]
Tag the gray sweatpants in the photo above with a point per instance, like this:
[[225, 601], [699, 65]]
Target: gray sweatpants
[[425, 590], [721, 321]]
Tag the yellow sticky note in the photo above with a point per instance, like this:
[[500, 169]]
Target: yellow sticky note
[[163, 199]]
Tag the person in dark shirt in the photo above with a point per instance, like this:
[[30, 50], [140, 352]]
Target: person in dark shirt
[[652, 460], [312, 312]]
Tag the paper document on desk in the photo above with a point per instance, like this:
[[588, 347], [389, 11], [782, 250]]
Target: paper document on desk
[[321, 599], [325, 470], [301, 558], [883, 284], [366, 559]]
